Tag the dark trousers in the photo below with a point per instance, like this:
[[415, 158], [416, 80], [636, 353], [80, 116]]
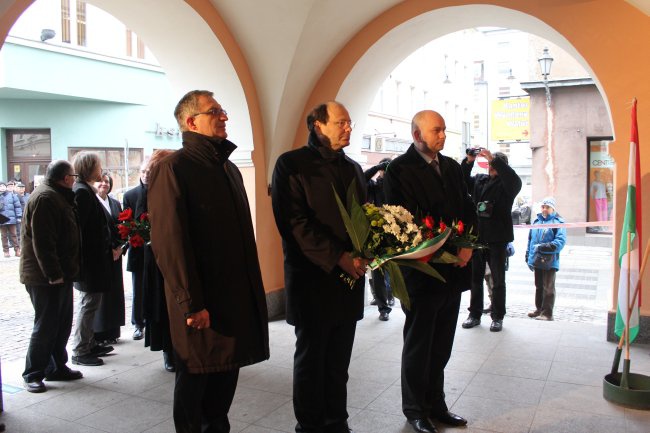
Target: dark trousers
[[320, 376], [202, 401], [381, 291], [545, 291], [137, 306], [9, 237], [429, 331], [495, 256], [52, 325]]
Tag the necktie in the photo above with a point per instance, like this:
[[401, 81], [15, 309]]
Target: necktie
[[436, 166]]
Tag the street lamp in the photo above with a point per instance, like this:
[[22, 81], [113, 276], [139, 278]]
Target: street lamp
[[545, 63]]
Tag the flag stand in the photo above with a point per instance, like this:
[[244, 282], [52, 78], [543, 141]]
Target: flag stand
[[628, 389]]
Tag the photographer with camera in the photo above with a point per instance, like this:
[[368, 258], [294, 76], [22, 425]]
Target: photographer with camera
[[493, 195]]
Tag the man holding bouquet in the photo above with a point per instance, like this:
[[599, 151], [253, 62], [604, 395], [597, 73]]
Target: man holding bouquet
[[317, 257], [429, 184]]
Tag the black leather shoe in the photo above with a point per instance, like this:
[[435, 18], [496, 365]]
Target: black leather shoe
[[423, 425], [138, 334], [35, 386], [88, 360], [471, 322], [391, 302], [64, 374], [168, 362], [383, 316], [451, 419], [101, 350], [496, 326]]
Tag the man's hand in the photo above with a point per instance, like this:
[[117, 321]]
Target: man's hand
[[355, 267], [464, 254], [486, 154], [199, 320], [117, 252]]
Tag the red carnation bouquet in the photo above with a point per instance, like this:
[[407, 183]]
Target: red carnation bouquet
[[137, 231]]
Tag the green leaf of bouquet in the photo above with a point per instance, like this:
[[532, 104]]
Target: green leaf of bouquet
[[422, 267], [347, 221], [355, 221], [397, 284], [445, 257]]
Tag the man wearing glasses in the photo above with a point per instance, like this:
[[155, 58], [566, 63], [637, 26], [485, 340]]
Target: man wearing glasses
[[317, 251], [136, 200], [203, 240], [48, 265]]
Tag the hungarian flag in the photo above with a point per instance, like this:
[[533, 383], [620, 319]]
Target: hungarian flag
[[630, 260]]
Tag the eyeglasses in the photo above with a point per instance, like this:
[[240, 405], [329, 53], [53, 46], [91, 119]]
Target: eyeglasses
[[213, 112], [343, 123], [72, 174]]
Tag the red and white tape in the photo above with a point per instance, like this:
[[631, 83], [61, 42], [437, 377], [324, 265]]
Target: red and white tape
[[566, 225]]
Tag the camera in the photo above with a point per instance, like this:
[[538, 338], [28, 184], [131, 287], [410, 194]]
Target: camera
[[484, 209], [473, 151]]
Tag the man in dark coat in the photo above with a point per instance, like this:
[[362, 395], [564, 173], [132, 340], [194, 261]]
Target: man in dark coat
[[48, 266], [203, 240], [317, 253], [136, 199], [493, 195], [428, 183]]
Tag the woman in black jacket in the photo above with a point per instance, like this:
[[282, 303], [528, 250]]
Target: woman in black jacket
[[96, 254]]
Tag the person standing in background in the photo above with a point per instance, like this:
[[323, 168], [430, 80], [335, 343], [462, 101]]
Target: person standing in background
[[136, 200], [12, 211]]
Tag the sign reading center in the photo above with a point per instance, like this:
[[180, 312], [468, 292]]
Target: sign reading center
[[511, 119]]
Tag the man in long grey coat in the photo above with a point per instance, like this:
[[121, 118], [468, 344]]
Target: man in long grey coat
[[203, 240]]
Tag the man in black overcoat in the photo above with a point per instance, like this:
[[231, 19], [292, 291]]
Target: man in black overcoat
[[428, 183], [493, 195], [317, 253], [136, 199]]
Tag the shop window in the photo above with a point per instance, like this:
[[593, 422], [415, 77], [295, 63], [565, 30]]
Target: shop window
[[600, 185]]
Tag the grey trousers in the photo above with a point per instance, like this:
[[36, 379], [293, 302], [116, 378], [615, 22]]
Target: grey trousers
[[84, 335]]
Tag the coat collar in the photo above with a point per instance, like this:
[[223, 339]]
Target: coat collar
[[324, 151], [207, 148]]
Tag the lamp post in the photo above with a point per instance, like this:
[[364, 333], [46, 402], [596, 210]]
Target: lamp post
[[545, 63]]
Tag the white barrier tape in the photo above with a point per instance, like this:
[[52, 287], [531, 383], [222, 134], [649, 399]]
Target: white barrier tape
[[566, 225]]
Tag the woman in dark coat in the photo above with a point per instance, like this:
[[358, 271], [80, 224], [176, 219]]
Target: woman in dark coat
[[110, 314], [96, 257], [156, 333]]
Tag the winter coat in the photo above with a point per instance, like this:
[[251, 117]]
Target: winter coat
[[313, 234], [500, 192], [203, 240], [546, 241], [96, 254], [136, 200], [11, 207], [50, 239]]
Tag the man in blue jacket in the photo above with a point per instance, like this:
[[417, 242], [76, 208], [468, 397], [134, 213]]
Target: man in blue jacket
[[11, 209], [543, 258]]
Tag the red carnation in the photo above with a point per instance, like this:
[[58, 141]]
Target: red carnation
[[429, 222], [136, 240], [144, 216], [443, 226], [460, 227], [125, 215], [124, 231]]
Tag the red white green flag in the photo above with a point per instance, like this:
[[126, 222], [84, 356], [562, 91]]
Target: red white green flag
[[630, 260]]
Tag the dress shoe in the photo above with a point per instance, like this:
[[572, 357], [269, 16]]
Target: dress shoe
[[168, 362], [101, 350], [487, 310], [391, 302], [544, 317], [35, 386], [64, 374], [471, 322], [496, 326], [383, 316], [534, 314], [88, 360], [423, 425], [373, 302], [138, 334], [451, 419]]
